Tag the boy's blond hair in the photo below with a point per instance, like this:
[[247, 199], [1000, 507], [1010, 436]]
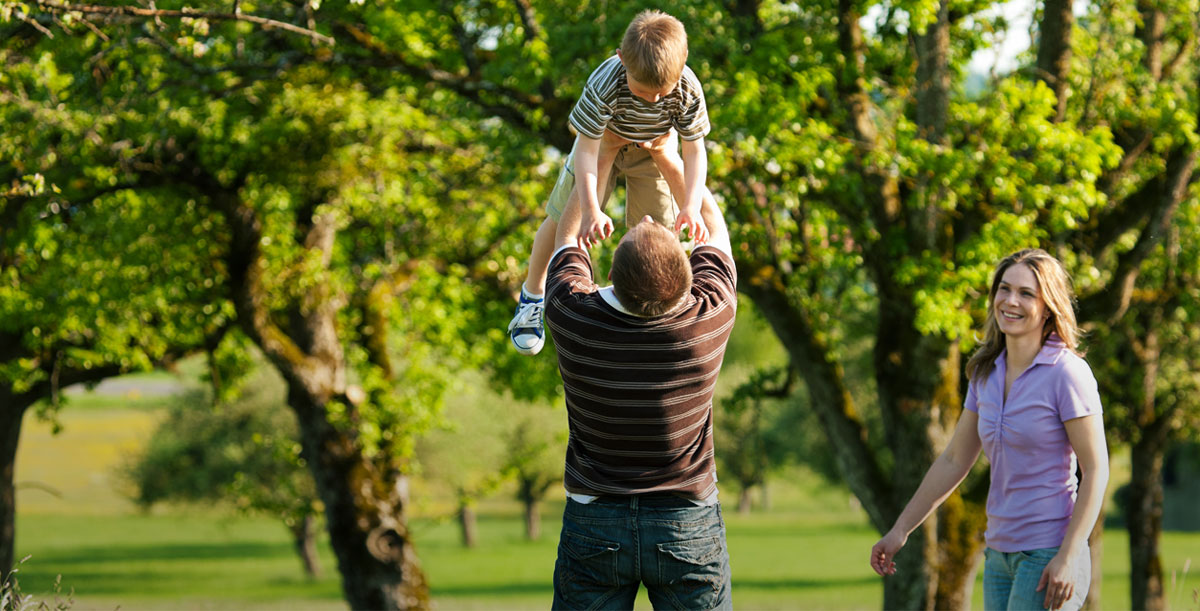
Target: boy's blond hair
[[654, 49]]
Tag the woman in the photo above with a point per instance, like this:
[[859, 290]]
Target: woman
[[1033, 407]]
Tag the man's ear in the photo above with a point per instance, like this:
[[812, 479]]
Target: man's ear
[[622, 59]]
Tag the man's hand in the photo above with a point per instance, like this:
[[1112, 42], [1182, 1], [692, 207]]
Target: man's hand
[[694, 223], [594, 226]]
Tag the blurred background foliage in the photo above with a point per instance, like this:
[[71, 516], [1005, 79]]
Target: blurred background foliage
[[350, 188]]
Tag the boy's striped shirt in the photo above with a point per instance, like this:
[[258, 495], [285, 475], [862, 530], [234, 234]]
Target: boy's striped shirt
[[639, 390], [607, 103]]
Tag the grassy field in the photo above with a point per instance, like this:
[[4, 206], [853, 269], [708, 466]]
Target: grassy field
[[807, 552]]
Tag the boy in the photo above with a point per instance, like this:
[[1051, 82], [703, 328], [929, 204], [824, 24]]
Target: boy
[[641, 95]]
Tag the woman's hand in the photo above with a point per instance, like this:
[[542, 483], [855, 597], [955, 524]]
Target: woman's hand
[[1056, 581], [883, 555]]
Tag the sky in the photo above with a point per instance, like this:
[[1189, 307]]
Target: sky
[[1002, 56]]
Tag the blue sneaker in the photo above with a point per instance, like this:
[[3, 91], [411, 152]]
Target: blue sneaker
[[525, 330]]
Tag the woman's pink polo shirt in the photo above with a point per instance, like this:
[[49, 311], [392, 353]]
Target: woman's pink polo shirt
[[1033, 481]]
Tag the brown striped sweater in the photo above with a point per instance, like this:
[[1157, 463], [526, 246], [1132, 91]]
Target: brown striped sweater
[[639, 390]]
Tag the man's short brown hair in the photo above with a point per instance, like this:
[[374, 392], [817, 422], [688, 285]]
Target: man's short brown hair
[[654, 49], [650, 271]]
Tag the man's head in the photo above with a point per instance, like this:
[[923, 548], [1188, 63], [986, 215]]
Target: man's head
[[654, 52], [650, 271]]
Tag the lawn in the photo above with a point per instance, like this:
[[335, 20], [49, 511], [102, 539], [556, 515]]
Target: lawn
[[808, 551]]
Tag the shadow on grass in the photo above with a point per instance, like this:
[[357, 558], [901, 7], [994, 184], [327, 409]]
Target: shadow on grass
[[749, 529], [166, 551], [489, 590], [545, 587], [801, 584]]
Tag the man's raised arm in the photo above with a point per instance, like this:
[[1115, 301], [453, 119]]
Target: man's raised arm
[[718, 231]]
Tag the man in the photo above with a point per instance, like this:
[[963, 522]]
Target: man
[[639, 362]]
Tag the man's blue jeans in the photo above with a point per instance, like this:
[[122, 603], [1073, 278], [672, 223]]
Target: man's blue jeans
[[612, 544], [1010, 580]]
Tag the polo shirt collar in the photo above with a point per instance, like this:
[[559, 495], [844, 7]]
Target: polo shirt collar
[[610, 297], [1051, 351]]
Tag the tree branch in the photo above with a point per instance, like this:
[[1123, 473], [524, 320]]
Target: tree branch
[[513, 105], [138, 12], [1157, 200], [528, 20], [831, 399]]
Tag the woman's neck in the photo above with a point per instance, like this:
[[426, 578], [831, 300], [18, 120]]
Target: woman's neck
[[1021, 351]]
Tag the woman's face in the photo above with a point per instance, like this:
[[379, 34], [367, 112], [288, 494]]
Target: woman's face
[[1019, 307]]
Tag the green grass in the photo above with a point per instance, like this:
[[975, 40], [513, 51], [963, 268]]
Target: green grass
[[808, 551], [191, 560]]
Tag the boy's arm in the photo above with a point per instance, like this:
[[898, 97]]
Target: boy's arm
[[664, 150], [594, 224]]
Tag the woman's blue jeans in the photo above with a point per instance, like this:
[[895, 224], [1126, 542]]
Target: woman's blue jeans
[[611, 545], [1010, 580]]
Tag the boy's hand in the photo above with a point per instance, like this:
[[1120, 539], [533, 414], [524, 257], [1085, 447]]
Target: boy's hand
[[694, 223], [612, 141], [665, 144], [594, 226]]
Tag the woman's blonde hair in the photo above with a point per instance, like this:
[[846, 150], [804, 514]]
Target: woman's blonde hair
[[1054, 285]]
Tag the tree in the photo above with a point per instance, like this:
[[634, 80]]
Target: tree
[[464, 458], [241, 451], [858, 172], [752, 442], [1144, 358], [84, 297], [308, 252], [536, 442]]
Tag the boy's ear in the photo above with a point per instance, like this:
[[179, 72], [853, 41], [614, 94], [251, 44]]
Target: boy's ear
[[622, 59]]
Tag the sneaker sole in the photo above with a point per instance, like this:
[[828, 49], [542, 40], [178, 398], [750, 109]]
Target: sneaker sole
[[528, 351]]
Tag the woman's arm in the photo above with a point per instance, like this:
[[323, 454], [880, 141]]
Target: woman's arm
[[1086, 435], [946, 473]]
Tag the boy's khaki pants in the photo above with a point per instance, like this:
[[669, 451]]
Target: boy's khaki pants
[[646, 191]]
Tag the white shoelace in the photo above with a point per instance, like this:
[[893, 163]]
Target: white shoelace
[[529, 315]]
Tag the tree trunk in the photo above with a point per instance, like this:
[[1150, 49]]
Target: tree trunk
[[466, 522], [1144, 522], [305, 540], [10, 435], [933, 79], [1054, 50], [960, 547], [744, 502], [363, 493], [363, 513], [917, 379], [1150, 32], [533, 519], [914, 585]]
